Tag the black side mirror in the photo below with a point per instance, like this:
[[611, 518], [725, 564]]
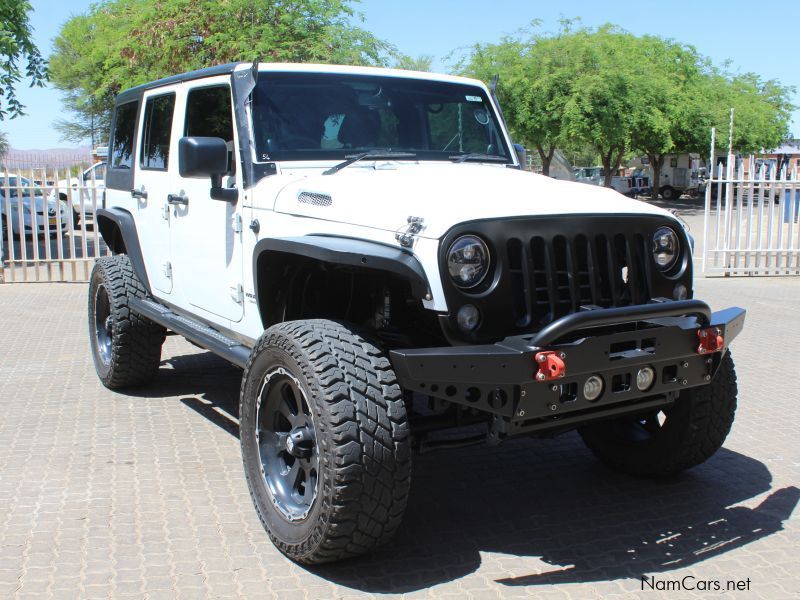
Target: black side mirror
[[206, 157], [522, 156]]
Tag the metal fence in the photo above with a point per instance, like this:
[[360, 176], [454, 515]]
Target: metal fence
[[48, 224], [751, 221]]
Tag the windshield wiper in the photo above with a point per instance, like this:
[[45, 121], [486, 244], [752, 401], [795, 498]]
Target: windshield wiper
[[373, 154], [459, 158]]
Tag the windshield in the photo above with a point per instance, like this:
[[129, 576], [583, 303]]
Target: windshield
[[13, 187], [319, 116]]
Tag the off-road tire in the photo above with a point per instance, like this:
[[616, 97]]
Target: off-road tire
[[362, 437], [135, 349], [695, 428]]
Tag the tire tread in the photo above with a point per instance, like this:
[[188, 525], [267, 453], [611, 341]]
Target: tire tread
[[137, 341], [369, 430]]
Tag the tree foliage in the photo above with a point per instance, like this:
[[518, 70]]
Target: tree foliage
[[119, 44], [617, 93], [16, 45], [423, 62], [4, 144]]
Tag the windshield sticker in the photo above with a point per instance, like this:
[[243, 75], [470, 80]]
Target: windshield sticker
[[473, 99]]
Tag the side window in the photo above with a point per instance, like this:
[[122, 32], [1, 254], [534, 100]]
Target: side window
[[209, 113], [121, 150], [99, 173], [156, 132]]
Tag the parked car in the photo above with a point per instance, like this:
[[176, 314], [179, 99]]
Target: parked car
[[38, 212], [86, 192], [365, 244], [596, 176]]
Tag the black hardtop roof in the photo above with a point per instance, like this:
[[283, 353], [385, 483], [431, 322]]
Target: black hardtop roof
[[136, 92]]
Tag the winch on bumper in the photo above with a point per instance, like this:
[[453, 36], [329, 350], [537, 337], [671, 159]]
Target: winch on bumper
[[640, 357]]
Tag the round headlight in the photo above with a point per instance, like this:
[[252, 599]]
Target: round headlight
[[666, 248], [468, 261]]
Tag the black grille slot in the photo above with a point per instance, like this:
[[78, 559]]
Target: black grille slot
[[517, 271], [552, 277]]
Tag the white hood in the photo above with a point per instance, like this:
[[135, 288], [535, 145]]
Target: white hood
[[444, 195]]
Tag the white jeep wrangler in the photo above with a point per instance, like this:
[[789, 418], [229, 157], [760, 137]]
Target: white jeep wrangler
[[365, 244]]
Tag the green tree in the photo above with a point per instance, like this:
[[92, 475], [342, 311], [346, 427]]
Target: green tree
[[676, 111], [762, 110], [91, 122], [16, 44], [615, 94], [534, 73], [687, 95], [118, 44], [423, 62], [4, 145], [608, 94], [570, 90]]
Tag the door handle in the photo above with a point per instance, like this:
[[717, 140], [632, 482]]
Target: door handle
[[178, 199], [141, 193]]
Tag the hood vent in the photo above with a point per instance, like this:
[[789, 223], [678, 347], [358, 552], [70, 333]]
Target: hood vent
[[314, 199]]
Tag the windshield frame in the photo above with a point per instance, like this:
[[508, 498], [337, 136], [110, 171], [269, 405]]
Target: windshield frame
[[508, 158]]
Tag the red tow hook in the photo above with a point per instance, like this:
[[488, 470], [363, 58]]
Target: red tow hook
[[551, 365], [710, 340]]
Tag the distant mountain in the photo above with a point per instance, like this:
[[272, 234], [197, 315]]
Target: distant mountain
[[51, 158]]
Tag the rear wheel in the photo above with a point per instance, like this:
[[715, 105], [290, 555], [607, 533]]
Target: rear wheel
[[677, 438], [669, 193], [325, 441], [126, 347]]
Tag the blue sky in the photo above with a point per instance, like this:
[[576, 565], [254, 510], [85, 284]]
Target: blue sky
[[754, 37]]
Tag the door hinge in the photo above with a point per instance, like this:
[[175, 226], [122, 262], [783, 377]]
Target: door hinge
[[165, 212], [237, 223], [237, 293], [166, 268]]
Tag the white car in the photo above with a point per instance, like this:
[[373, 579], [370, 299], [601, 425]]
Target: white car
[[38, 213], [366, 246], [594, 176], [85, 191]]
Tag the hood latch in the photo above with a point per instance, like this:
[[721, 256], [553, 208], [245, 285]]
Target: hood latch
[[405, 235]]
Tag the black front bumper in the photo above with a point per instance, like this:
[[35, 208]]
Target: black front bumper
[[614, 343]]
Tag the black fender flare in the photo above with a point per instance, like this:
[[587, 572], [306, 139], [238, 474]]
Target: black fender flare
[[348, 251], [113, 220]]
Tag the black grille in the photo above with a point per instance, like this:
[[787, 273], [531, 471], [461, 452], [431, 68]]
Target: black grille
[[547, 267], [553, 277]]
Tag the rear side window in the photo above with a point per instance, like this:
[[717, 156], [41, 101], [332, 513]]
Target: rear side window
[[121, 151], [156, 132]]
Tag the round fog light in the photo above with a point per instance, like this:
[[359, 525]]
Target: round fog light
[[593, 388], [468, 317], [680, 292], [645, 378]]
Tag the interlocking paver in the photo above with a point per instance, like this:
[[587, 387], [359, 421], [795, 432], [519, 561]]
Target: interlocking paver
[[140, 494]]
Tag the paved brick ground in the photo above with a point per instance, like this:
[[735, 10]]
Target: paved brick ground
[[142, 495]]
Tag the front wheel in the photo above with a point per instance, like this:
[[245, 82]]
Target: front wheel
[[325, 441], [674, 439]]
